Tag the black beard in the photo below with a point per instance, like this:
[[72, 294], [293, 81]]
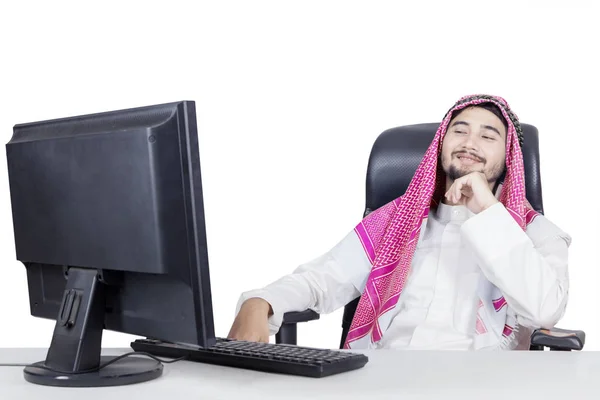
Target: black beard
[[454, 173]]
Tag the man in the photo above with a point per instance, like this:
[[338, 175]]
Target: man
[[460, 261]]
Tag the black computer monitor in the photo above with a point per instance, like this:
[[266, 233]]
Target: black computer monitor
[[109, 222]]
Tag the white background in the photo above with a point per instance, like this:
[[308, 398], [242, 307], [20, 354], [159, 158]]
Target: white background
[[290, 97]]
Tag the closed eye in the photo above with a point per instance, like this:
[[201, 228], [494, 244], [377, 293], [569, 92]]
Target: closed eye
[[489, 137]]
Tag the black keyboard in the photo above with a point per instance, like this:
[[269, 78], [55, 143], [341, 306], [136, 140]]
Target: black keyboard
[[267, 357]]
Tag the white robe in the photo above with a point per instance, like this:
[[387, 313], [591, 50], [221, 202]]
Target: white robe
[[458, 255]]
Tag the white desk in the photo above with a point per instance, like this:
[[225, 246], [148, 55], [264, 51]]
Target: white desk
[[399, 375]]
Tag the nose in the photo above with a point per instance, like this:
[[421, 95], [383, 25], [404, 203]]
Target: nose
[[470, 142]]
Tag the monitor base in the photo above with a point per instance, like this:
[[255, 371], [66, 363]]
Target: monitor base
[[126, 371]]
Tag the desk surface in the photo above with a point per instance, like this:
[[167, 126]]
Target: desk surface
[[388, 374]]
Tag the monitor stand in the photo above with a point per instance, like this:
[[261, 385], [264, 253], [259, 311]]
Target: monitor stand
[[77, 341]]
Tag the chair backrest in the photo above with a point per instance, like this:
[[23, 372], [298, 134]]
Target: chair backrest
[[394, 158]]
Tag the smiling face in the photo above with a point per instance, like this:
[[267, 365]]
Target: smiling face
[[475, 141]]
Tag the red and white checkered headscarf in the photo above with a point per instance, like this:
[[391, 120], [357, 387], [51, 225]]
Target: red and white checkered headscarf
[[389, 234]]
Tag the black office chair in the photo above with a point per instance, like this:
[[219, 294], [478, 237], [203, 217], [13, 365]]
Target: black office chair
[[394, 159]]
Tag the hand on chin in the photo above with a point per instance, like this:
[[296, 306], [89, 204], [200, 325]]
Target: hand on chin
[[471, 190]]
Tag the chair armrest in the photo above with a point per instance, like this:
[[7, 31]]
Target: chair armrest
[[558, 339], [288, 331], [294, 317]]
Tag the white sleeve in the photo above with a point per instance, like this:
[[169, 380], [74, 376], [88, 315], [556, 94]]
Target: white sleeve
[[529, 268], [323, 284]]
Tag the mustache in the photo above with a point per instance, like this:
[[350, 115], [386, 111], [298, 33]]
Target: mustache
[[468, 154]]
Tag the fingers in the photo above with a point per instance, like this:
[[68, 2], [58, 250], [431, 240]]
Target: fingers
[[471, 190], [449, 193], [454, 194], [248, 336], [250, 328], [459, 189]]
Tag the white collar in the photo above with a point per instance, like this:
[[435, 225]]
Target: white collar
[[447, 213]]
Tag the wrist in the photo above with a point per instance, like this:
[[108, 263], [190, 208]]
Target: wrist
[[489, 204], [259, 305]]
